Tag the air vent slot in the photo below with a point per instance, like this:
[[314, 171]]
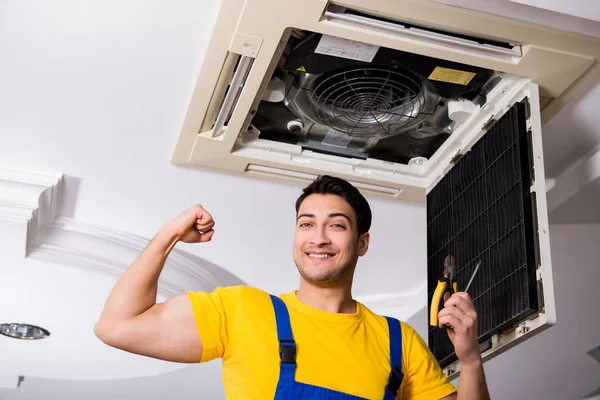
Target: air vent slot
[[307, 177], [494, 49], [279, 172], [227, 91]]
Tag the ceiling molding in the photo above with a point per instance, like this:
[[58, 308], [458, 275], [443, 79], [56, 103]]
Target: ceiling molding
[[91, 247], [28, 199], [31, 227]]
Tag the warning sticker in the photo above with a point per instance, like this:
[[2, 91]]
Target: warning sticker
[[336, 138], [345, 48], [451, 76], [301, 69]]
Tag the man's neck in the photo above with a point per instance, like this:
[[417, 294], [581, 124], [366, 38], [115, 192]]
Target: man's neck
[[328, 299]]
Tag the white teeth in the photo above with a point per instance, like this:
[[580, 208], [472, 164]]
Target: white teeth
[[320, 255]]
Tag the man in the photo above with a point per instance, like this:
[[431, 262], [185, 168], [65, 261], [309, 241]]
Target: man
[[316, 342]]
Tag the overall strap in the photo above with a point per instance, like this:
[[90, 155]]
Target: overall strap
[[287, 346], [395, 378]]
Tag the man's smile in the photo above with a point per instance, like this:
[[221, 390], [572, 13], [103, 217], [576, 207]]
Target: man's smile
[[319, 256]]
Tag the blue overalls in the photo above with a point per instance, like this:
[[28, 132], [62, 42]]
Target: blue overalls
[[288, 388]]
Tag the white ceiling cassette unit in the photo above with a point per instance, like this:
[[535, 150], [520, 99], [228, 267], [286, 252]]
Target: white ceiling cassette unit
[[411, 100], [384, 93]]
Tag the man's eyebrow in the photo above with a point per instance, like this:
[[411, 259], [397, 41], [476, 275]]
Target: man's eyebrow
[[333, 215]]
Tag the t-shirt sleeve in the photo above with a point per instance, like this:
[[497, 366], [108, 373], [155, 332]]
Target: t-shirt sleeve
[[423, 376], [215, 314]]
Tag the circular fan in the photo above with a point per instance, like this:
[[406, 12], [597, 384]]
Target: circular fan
[[368, 101]]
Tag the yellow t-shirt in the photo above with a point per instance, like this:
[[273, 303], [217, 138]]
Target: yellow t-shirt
[[343, 352]]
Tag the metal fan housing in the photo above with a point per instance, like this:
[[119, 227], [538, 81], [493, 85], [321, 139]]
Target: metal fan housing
[[368, 102]]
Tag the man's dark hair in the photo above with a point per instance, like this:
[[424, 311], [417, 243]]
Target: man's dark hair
[[326, 184]]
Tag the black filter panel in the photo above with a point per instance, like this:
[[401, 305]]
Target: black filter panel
[[483, 210]]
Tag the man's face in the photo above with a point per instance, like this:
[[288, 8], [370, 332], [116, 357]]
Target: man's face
[[326, 242]]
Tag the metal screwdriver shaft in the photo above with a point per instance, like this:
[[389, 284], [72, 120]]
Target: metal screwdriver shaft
[[473, 276]]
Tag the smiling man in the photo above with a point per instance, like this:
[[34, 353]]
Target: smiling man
[[316, 342]]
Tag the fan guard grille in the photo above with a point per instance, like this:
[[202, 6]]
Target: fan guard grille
[[371, 101]]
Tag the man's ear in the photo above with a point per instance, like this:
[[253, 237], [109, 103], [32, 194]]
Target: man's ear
[[363, 244]]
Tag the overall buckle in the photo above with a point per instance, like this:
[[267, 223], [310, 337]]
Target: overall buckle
[[394, 380], [287, 351]]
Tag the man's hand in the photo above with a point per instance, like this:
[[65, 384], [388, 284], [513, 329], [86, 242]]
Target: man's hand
[[460, 313], [194, 225]]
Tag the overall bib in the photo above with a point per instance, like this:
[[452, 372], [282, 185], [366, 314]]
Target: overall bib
[[288, 388]]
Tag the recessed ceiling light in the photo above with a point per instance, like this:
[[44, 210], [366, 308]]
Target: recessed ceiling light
[[23, 331]]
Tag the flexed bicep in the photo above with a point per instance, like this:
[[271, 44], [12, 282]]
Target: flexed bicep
[[166, 331]]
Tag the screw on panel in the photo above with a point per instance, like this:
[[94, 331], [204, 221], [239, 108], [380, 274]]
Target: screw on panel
[[295, 126], [417, 161], [522, 329], [489, 123], [456, 157]]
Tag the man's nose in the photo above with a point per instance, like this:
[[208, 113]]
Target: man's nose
[[320, 236]]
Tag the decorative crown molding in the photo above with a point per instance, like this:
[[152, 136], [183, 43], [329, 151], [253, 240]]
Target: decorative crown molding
[[31, 199], [73, 243]]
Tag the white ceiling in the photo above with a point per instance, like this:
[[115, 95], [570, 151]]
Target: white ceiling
[[65, 301], [97, 91]]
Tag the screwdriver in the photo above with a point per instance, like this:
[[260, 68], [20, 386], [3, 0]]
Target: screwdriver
[[473, 276]]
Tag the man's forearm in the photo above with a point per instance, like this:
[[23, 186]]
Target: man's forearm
[[135, 291], [471, 384]]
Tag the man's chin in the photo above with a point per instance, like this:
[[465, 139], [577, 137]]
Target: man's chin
[[322, 280], [324, 283]]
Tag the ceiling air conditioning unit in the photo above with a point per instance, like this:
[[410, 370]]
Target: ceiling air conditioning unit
[[411, 100]]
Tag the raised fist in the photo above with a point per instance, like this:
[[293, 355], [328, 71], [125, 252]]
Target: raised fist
[[194, 225]]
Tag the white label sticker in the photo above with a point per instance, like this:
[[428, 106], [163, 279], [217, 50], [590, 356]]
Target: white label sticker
[[336, 138], [346, 48]]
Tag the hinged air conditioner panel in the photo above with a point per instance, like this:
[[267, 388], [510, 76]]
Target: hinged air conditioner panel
[[490, 207], [235, 121]]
